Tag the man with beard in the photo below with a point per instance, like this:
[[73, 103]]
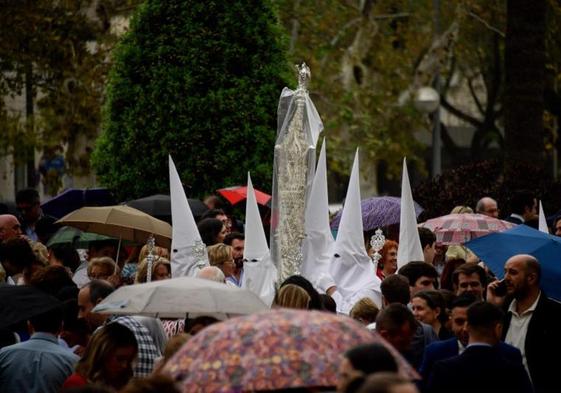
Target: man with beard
[[237, 241], [532, 320]]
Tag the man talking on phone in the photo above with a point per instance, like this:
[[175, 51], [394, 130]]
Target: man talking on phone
[[532, 320]]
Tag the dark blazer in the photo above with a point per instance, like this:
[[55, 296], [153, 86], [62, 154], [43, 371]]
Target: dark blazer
[[514, 220], [479, 369], [442, 350], [543, 343]]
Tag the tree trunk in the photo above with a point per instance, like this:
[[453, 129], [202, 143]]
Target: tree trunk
[[524, 88]]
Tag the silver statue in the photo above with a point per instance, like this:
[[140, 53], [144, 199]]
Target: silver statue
[[294, 169]]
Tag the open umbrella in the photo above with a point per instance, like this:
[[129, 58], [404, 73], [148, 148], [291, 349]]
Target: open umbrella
[[74, 198], [19, 303], [122, 222], [496, 248], [239, 193], [159, 206], [278, 349], [460, 228], [378, 212], [75, 237], [176, 297]]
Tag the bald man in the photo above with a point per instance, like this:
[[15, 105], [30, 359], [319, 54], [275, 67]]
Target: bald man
[[9, 227], [532, 321], [211, 273], [487, 206]]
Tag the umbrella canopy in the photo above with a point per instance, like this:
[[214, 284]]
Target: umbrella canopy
[[378, 212], [496, 248], [239, 193], [278, 349], [159, 205], [75, 237], [121, 222], [73, 199], [19, 303], [176, 297], [460, 228]]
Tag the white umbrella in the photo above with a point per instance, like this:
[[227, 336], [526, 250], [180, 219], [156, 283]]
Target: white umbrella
[[176, 297]]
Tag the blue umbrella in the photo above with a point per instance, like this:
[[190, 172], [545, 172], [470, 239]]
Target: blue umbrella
[[496, 248]]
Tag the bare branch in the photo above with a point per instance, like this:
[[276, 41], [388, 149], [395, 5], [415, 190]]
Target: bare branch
[[458, 113], [474, 95], [343, 29], [392, 16], [486, 24]]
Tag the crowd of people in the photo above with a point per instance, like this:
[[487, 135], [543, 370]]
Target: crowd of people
[[447, 315]]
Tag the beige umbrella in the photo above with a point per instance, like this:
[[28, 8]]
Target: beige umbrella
[[122, 222]]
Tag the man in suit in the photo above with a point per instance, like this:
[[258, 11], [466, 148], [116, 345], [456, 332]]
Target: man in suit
[[482, 367], [532, 321], [446, 349], [524, 207]]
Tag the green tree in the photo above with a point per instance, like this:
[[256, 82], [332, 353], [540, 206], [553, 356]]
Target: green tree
[[55, 54], [199, 81]]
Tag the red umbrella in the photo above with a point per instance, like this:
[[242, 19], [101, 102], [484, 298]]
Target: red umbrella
[[237, 194]]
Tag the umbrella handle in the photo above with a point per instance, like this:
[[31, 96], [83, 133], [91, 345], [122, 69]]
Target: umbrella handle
[[118, 253]]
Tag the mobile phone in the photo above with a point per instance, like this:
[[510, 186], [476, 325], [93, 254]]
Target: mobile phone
[[500, 290]]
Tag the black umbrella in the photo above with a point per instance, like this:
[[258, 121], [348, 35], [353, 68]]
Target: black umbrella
[[159, 206], [19, 303]]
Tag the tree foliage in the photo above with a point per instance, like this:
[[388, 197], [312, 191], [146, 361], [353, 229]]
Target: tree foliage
[[54, 53], [199, 81], [366, 54]]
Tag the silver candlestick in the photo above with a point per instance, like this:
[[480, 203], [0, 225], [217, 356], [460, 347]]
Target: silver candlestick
[[150, 257], [377, 242]]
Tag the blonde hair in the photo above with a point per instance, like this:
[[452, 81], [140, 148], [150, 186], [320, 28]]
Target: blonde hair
[[142, 271], [174, 344], [159, 251], [41, 252], [365, 311], [292, 296], [218, 254], [461, 209], [106, 263]]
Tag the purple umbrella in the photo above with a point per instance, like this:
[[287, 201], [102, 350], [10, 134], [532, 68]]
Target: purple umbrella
[[378, 212]]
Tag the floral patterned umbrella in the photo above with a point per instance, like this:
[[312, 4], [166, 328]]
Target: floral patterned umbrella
[[460, 228], [277, 349]]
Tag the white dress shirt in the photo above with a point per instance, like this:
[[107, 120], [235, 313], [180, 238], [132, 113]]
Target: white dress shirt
[[516, 334]]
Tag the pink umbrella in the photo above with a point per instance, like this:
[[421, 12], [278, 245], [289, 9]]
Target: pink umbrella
[[460, 228], [278, 349]]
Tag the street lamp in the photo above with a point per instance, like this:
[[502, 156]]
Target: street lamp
[[427, 100]]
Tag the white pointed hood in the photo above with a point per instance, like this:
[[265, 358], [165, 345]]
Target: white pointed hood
[[409, 242], [188, 252], [259, 273], [318, 244], [351, 267], [542, 226]]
